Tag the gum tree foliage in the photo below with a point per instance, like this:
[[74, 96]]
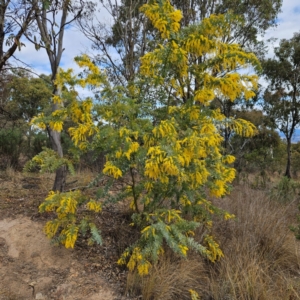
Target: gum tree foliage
[[29, 96], [22, 97], [161, 137], [15, 19], [282, 97], [129, 37]]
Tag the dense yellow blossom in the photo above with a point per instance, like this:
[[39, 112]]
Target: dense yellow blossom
[[94, 206], [51, 228], [228, 216], [213, 249], [163, 17], [71, 236], [112, 170], [56, 125]]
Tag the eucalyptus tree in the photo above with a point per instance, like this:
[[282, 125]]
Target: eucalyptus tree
[[16, 16], [51, 21], [120, 37], [282, 96]]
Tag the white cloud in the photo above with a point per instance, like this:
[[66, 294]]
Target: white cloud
[[288, 23]]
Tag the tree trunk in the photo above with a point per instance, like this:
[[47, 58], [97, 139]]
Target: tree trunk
[[60, 179], [55, 139], [288, 163], [61, 173], [52, 35]]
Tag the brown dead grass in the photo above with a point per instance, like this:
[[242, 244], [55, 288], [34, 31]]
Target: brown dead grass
[[261, 257], [169, 279], [261, 254]]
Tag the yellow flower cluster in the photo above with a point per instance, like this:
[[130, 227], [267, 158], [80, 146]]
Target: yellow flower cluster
[[150, 62], [94, 206], [56, 125], [194, 295], [199, 44], [70, 236], [183, 249], [204, 96], [81, 132], [228, 216], [242, 127], [163, 17], [61, 78], [213, 251], [165, 129], [65, 205], [136, 260], [51, 228], [38, 121], [133, 148], [111, 170], [85, 62]]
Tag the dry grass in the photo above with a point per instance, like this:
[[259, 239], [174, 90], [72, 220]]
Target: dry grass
[[261, 257], [169, 279]]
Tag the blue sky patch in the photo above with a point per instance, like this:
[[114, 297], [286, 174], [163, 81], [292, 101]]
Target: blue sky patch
[[296, 9]]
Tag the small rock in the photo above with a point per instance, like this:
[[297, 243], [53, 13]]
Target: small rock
[[39, 296]]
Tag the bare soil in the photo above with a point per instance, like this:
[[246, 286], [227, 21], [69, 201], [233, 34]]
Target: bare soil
[[32, 268]]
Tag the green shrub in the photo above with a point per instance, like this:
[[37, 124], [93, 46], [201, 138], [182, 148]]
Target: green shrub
[[285, 191], [11, 145]]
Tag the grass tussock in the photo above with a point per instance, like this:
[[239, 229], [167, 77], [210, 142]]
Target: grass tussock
[[261, 257], [169, 279]]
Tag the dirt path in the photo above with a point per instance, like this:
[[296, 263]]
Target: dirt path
[[31, 268]]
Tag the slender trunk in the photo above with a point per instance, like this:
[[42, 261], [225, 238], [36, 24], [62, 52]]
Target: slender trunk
[[53, 44], [55, 139], [227, 133], [288, 163], [61, 172], [60, 179]]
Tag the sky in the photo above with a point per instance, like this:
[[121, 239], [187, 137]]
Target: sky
[[75, 43], [288, 21]]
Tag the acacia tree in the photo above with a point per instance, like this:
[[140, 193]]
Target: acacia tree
[[121, 45], [282, 97], [168, 163]]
